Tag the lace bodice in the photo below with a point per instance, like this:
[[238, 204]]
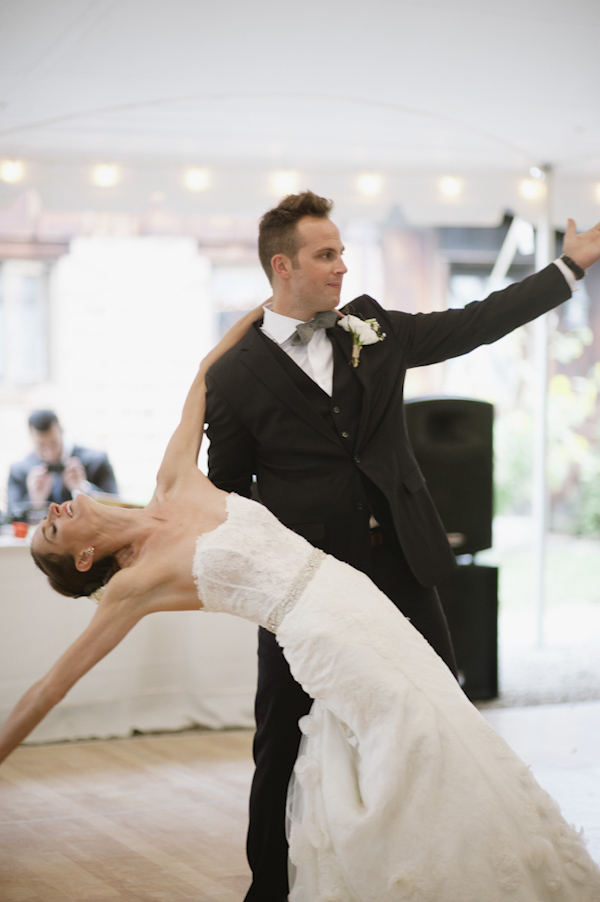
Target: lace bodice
[[251, 565]]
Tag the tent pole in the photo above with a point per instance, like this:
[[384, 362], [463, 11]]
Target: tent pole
[[545, 253]]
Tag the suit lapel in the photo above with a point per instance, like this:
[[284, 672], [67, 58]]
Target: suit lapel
[[260, 357]]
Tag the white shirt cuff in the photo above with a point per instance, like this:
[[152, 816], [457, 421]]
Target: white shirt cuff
[[568, 274]]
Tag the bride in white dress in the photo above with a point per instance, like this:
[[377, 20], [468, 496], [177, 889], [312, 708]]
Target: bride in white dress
[[401, 791]]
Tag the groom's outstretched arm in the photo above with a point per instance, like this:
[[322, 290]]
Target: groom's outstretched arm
[[429, 338]]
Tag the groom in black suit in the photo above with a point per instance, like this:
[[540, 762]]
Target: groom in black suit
[[326, 443]]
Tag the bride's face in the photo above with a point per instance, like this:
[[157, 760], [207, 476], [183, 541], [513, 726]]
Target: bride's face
[[67, 528]]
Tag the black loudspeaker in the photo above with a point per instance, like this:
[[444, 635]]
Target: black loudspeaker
[[470, 601], [453, 442]]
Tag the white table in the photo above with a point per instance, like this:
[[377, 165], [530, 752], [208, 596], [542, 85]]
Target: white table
[[172, 671]]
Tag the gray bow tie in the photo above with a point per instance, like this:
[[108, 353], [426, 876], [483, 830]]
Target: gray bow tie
[[305, 331]]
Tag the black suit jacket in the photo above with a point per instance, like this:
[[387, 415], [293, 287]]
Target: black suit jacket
[[98, 472], [261, 424]]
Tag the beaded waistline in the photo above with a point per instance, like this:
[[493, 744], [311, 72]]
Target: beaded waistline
[[297, 588]]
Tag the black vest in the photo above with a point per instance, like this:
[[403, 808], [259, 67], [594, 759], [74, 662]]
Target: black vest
[[342, 410]]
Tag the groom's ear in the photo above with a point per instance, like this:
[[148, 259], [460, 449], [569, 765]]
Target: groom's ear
[[282, 266]]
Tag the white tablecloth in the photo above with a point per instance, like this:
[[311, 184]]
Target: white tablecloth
[[172, 671]]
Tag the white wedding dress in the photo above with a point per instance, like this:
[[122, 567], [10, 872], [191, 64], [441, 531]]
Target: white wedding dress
[[401, 791]]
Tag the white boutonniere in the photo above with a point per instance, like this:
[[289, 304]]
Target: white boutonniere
[[363, 331]]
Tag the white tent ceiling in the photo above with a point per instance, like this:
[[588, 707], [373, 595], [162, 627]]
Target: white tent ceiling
[[476, 89]]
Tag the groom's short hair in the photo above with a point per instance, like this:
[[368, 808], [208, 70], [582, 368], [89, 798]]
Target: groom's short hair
[[277, 233]]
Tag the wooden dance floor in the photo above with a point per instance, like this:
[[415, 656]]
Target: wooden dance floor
[[132, 820], [163, 818]]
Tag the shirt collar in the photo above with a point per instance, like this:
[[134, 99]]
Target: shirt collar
[[279, 328]]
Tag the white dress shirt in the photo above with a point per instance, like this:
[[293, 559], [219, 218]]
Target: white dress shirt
[[315, 358]]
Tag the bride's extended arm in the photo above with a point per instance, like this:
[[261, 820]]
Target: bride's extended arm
[[185, 442], [122, 606], [113, 619]]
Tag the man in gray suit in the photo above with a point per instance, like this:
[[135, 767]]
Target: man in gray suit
[[56, 469]]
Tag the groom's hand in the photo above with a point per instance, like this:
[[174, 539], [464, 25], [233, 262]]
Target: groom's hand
[[583, 249]]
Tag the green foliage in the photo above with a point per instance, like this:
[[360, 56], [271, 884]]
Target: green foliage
[[513, 458], [573, 458]]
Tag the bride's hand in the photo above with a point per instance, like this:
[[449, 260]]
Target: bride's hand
[[182, 451]]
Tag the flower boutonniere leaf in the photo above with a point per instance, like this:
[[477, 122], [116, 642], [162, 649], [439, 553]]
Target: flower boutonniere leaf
[[363, 331]]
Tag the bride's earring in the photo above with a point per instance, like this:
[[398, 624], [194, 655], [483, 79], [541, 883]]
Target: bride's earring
[[89, 551]]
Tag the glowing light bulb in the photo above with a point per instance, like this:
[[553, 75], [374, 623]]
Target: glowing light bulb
[[531, 188], [11, 171], [284, 182], [196, 179], [105, 175], [450, 186], [370, 184]]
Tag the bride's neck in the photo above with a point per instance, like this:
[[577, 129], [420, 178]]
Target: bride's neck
[[121, 526]]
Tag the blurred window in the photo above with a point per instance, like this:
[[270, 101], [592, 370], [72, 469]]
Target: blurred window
[[24, 328]]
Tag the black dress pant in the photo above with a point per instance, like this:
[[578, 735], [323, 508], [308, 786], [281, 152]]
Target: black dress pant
[[281, 702]]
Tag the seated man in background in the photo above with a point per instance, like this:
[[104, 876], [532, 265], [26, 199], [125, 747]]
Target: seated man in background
[[56, 469]]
